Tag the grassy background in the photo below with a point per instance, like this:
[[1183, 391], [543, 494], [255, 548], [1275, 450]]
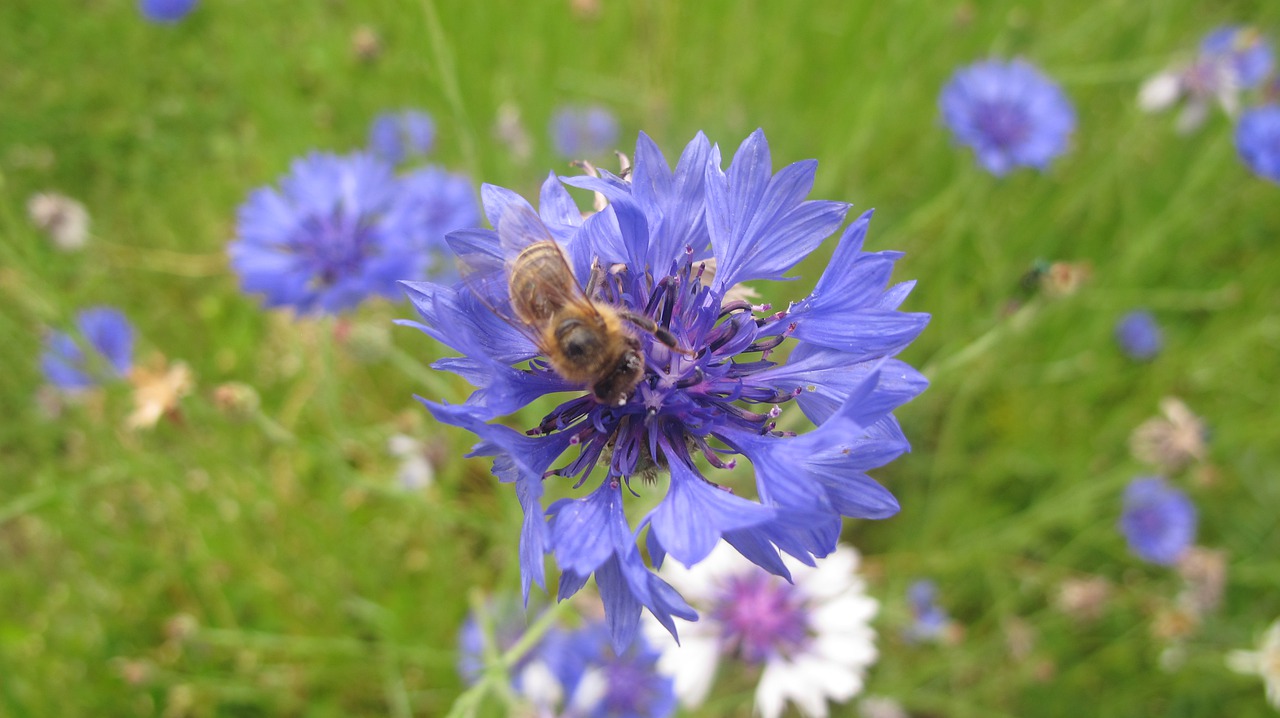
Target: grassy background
[[215, 567]]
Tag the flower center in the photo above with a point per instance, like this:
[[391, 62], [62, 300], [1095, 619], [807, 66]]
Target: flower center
[[761, 616], [1150, 522], [1002, 122], [681, 398], [341, 250]]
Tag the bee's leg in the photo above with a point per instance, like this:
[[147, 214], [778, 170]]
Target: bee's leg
[[593, 282], [658, 332]]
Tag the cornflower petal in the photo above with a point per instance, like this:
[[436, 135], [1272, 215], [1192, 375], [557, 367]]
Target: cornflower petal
[[760, 228], [62, 362], [691, 519]]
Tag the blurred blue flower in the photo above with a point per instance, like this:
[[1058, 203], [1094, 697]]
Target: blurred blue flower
[[1258, 140], [166, 11], [675, 245], [431, 203], [321, 243], [101, 350], [1159, 521], [1139, 336], [584, 132], [930, 621], [599, 682], [1242, 50], [1009, 113], [395, 136]]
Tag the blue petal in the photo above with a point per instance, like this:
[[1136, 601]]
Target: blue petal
[[657, 554], [826, 378], [63, 363], [621, 608], [558, 209], [110, 333], [586, 531], [755, 546], [675, 203], [457, 318], [523, 460], [692, 517], [570, 583], [498, 201], [761, 229], [599, 239], [864, 333]]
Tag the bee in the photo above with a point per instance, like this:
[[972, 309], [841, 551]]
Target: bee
[[586, 341]]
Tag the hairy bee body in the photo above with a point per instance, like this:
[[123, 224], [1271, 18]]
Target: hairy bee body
[[585, 341]]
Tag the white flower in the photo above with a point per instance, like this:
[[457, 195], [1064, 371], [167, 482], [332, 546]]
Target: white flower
[[1160, 91], [65, 220], [813, 638], [416, 471], [157, 390], [1264, 662], [1172, 441]]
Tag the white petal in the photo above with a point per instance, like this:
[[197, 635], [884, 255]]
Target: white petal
[[771, 691], [591, 689], [1192, 116], [1159, 92], [539, 685], [692, 666], [843, 613]]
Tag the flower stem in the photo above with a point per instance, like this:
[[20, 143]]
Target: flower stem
[[496, 676]]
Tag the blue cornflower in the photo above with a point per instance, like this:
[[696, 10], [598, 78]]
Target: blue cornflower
[[1242, 50], [394, 136], [599, 682], [166, 11], [1258, 140], [1139, 336], [102, 350], [321, 243], [584, 132], [431, 203], [1159, 521], [670, 247], [1010, 113], [930, 620]]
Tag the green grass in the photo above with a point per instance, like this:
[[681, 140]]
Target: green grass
[[317, 588]]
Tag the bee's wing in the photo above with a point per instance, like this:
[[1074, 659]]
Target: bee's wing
[[518, 230], [485, 267]]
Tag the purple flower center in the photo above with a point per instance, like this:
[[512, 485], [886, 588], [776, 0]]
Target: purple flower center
[[1004, 123], [681, 399], [1150, 521], [335, 246], [1203, 78], [761, 617]]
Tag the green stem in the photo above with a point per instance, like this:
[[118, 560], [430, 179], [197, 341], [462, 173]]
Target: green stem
[[496, 677]]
